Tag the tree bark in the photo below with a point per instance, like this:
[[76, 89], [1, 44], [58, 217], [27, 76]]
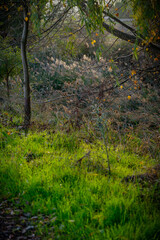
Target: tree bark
[[27, 102], [129, 37]]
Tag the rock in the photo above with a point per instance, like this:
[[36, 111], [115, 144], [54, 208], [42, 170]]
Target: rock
[[27, 229]]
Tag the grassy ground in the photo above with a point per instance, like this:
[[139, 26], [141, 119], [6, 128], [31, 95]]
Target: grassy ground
[[79, 198]]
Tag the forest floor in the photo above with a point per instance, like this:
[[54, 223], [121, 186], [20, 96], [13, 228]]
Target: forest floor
[[17, 225], [56, 185], [14, 223], [55, 182]]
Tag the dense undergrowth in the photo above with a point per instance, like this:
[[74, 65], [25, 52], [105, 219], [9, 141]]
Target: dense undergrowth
[[89, 166], [65, 177], [58, 173]]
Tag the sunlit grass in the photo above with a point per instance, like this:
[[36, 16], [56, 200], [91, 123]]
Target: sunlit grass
[[42, 171]]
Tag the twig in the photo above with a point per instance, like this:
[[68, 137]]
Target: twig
[[79, 161]]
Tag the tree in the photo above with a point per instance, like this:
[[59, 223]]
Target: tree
[[9, 10], [10, 62], [41, 17], [147, 16], [37, 10], [94, 13], [27, 101]]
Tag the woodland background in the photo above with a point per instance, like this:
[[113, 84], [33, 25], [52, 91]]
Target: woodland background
[[80, 136]]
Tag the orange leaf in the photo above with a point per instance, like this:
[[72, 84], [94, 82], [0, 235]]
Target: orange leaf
[[6, 8], [133, 72], [110, 69]]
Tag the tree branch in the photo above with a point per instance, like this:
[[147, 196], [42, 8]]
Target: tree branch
[[131, 38]]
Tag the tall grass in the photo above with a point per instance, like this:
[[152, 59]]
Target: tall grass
[[80, 200]]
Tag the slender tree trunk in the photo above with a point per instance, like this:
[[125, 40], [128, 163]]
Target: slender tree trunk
[[27, 102]]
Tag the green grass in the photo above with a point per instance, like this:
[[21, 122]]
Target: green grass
[[81, 201]]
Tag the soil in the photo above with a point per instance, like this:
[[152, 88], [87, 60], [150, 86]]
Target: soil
[[14, 224]]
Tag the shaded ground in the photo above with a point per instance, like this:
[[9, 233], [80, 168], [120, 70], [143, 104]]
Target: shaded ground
[[151, 180], [152, 176], [14, 224]]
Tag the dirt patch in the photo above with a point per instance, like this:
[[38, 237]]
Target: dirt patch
[[14, 224]]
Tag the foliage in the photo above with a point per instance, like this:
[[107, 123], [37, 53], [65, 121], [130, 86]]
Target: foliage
[[10, 60], [79, 200], [147, 15], [91, 13], [59, 172], [13, 16]]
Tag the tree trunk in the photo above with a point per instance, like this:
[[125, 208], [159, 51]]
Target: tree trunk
[[27, 102]]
